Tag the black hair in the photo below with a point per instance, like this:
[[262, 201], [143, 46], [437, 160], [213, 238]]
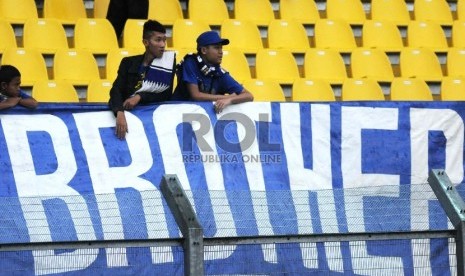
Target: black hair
[[8, 73], [152, 26]]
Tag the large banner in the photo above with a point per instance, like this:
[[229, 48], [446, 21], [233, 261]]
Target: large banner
[[61, 156]]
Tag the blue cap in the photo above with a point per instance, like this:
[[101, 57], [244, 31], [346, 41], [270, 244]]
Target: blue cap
[[211, 38]]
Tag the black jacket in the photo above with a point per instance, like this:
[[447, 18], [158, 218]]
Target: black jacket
[[126, 81]]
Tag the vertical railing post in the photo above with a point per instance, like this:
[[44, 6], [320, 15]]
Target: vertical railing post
[[188, 223], [454, 206]]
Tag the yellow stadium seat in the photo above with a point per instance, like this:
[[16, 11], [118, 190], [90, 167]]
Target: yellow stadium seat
[[98, 91], [276, 65], [18, 11], [216, 11], [265, 90], [312, 90], [361, 90], [334, 34], [456, 62], [458, 34], [8, 36], [382, 35], [453, 89], [350, 11], [113, 61], [56, 91], [78, 67], [433, 10], [132, 34], [426, 35], [420, 63], [68, 12], [243, 35], [235, 62], [165, 11], [95, 35], [325, 64], [405, 89], [393, 11], [303, 11], [29, 62], [260, 12], [460, 10], [46, 35], [101, 8], [186, 31], [372, 64], [290, 35]]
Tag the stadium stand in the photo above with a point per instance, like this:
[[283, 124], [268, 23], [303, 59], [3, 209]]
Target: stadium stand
[[453, 89], [98, 91], [78, 67], [186, 31], [371, 63], [68, 12], [132, 34], [350, 11], [383, 35], [393, 11], [95, 35], [7, 34], [260, 12], [55, 91], [361, 90], [18, 11], [334, 34], [420, 63], [312, 90], [426, 34], [303, 11], [277, 65], [165, 11], [235, 62], [433, 10]]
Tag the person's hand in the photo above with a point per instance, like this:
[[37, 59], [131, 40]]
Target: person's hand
[[12, 101], [221, 104], [131, 102], [121, 125]]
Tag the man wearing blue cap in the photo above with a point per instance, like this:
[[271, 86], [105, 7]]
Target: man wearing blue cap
[[201, 78]]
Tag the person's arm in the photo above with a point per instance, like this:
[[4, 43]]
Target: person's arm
[[244, 96], [28, 102], [9, 102], [197, 95]]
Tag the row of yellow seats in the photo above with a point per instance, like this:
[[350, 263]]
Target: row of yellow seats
[[312, 90], [358, 89], [97, 35]]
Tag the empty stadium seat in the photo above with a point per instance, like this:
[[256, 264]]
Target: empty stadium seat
[[423, 34], [407, 89], [382, 35], [260, 12], [350, 11], [458, 34], [372, 64], [96, 35], [433, 10], [165, 11], [113, 61], [101, 8], [98, 91], [312, 90], [452, 89], [456, 62], [393, 11], [420, 63], [7, 34], [78, 67], [132, 34], [303, 11], [29, 62], [242, 35], [265, 90], [45, 34], [68, 12], [186, 31], [276, 65], [460, 10], [324, 64], [18, 11], [334, 34], [235, 62], [57, 91], [216, 11], [290, 35], [354, 89]]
